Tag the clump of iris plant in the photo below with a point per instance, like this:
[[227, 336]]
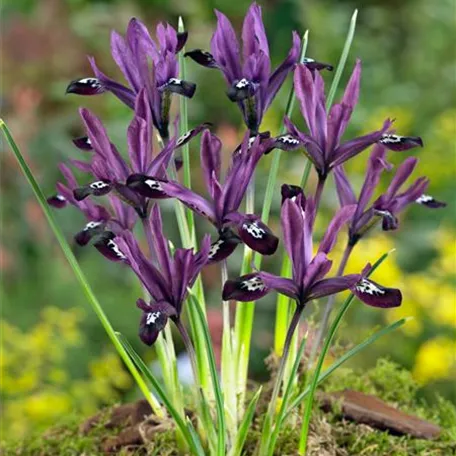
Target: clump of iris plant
[[121, 189]]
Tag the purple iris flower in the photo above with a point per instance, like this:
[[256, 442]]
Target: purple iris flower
[[389, 204], [252, 85], [132, 55], [323, 143], [222, 208], [99, 219], [167, 281], [308, 280]]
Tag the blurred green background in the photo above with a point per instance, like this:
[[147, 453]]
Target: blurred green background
[[56, 357]]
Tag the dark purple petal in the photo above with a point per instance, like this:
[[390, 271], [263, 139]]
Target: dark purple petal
[[402, 174], [211, 160], [282, 285], [241, 89], [147, 186], [289, 191], [317, 269], [123, 93], [225, 48], [343, 215], [313, 65], [154, 319], [83, 143], [430, 201], [58, 201], [254, 40], [246, 288], [97, 188], [181, 40], [257, 235], [186, 137], [355, 146], [389, 220], [279, 75], [332, 286], [85, 86], [400, 143], [88, 232], [106, 245], [179, 86], [374, 294], [285, 142], [224, 246], [190, 199], [204, 58], [343, 186]]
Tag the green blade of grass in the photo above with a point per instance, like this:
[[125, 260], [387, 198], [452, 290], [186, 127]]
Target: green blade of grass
[[219, 401], [245, 424], [354, 351], [329, 338], [342, 60], [183, 129], [93, 301], [190, 436]]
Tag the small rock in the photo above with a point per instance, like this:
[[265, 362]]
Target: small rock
[[370, 410]]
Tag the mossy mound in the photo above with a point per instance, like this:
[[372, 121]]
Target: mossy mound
[[329, 435]]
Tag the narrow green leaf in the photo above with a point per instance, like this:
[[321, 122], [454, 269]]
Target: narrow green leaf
[[313, 386], [93, 301], [342, 60], [354, 351], [186, 432], [214, 375], [246, 423]]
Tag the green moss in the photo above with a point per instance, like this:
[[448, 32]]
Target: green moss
[[329, 434]]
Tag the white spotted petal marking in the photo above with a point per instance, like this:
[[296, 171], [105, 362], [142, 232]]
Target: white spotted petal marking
[[253, 284], [152, 317], [366, 286], [254, 230], [115, 248]]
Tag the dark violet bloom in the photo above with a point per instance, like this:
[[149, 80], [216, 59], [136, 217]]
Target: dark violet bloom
[[112, 173], [167, 282], [132, 55], [323, 143], [225, 199], [308, 280], [99, 219], [388, 205], [251, 82]]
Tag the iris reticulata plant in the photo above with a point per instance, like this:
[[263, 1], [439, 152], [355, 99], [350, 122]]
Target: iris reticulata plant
[[121, 190]]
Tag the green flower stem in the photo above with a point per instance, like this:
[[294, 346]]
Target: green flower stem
[[269, 418], [328, 308], [245, 311], [183, 129], [93, 301], [313, 385], [164, 344]]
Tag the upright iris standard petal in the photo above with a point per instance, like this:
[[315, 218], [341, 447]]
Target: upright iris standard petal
[[108, 247], [400, 143], [430, 201], [376, 295], [224, 246], [153, 319], [91, 229], [147, 186], [246, 288], [96, 188], [86, 86], [204, 58], [257, 235]]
